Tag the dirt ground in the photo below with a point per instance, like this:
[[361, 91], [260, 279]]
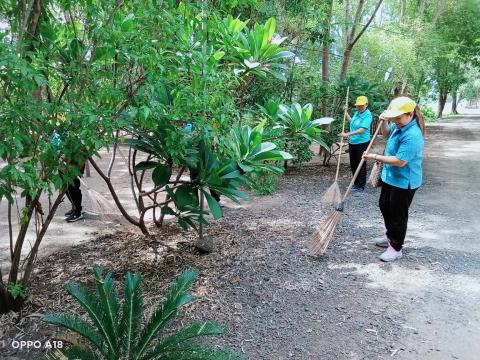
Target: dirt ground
[[279, 303]]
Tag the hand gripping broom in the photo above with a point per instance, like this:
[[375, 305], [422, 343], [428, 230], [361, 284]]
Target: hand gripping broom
[[333, 194], [324, 233]]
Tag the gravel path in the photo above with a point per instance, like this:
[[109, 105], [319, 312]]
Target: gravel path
[[279, 303]]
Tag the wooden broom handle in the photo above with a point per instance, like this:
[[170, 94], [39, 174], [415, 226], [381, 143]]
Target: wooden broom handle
[[341, 140], [347, 193]]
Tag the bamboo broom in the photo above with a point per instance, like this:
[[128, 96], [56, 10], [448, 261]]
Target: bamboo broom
[[101, 205], [333, 194], [324, 233]]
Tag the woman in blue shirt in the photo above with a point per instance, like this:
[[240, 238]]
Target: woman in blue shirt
[[359, 139], [401, 172]]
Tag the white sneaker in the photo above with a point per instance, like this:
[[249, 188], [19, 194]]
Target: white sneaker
[[390, 255], [381, 241]]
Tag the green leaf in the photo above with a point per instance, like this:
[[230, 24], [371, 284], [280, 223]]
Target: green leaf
[[145, 165], [214, 206], [161, 174], [278, 75], [270, 26], [218, 55], [167, 211], [128, 23], [185, 195]]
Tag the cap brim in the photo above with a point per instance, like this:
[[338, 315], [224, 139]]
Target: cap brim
[[361, 103], [391, 114]]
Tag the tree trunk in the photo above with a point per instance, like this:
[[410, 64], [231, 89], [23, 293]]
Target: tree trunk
[[346, 61], [422, 7], [438, 12], [326, 53], [352, 38], [403, 9], [454, 102], [441, 103]]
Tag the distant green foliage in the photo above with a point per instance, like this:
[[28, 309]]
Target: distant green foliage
[[114, 330], [263, 182], [429, 114], [300, 150]]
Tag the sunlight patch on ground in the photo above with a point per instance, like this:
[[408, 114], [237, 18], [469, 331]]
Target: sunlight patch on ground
[[413, 281]]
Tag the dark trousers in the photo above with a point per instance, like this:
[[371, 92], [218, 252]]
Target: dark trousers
[[394, 203], [74, 193], [356, 151]]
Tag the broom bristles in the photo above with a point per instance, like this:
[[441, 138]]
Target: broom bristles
[[102, 206], [332, 195], [324, 233]]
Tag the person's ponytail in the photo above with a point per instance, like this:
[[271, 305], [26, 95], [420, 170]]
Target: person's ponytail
[[417, 114]]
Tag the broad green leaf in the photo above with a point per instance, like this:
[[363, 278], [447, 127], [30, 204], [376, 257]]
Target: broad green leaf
[[215, 208], [161, 174], [145, 165]]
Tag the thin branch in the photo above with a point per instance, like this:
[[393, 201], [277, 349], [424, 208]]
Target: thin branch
[[112, 159], [368, 23], [113, 193], [10, 229]]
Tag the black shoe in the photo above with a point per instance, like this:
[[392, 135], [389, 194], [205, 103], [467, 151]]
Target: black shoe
[[75, 216], [69, 213]]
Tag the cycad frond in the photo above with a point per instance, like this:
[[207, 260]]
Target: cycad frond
[[72, 353], [109, 301], [92, 305], [179, 337], [177, 297], [77, 325], [132, 312], [199, 352]]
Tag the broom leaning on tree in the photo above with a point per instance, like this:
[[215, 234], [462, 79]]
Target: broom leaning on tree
[[401, 172]]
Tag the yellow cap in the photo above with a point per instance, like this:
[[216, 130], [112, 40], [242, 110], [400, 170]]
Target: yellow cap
[[361, 100], [399, 106]]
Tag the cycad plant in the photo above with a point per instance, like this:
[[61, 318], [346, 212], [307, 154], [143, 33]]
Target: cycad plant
[[113, 330]]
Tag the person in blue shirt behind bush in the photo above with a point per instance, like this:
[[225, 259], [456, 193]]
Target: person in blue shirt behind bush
[[401, 171], [359, 138]]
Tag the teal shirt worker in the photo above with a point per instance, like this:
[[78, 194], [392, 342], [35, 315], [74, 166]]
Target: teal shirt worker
[[401, 172], [361, 120], [406, 144]]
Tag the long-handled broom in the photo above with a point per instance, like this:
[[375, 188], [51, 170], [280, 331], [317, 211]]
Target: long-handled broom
[[333, 194], [324, 233]]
